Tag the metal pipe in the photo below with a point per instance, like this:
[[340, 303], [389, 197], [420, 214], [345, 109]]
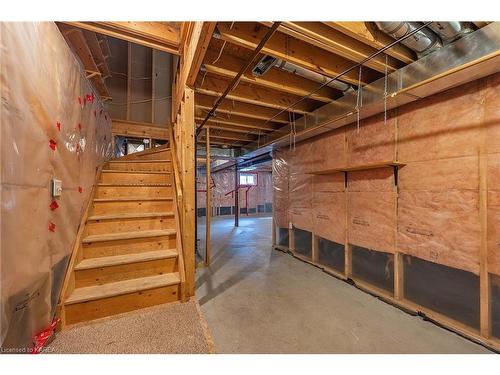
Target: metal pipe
[[236, 197], [313, 76], [361, 63], [237, 77], [423, 41], [450, 31]]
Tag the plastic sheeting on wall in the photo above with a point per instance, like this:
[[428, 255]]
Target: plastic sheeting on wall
[[52, 126]]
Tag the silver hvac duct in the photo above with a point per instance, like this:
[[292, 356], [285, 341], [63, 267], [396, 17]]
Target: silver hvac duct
[[422, 42], [313, 76], [449, 31]]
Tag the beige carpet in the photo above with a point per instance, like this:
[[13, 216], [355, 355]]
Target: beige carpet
[[170, 328]]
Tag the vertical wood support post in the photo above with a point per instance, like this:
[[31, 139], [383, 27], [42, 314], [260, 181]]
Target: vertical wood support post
[[485, 312], [189, 186], [236, 197], [208, 213], [347, 247]]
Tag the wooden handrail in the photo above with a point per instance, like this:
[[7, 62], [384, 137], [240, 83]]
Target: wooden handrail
[[178, 201]]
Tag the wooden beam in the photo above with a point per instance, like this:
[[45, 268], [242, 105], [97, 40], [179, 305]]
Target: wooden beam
[[189, 48], [201, 48], [95, 49], [219, 141], [163, 36], [138, 129], [275, 78], [369, 34], [241, 122], [232, 128], [232, 107], [233, 136], [329, 39], [189, 187], [244, 92], [484, 278], [296, 51], [78, 43]]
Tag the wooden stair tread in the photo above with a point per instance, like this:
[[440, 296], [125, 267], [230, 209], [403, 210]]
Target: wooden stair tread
[[132, 185], [117, 260], [136, 172], [128, 235], [92, 293], [141, 161], [132, 215], [132, 199]]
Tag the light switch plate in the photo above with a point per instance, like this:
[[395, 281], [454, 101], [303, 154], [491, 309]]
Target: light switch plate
[[56, 187]]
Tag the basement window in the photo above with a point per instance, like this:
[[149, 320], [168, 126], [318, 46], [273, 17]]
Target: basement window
[[247, 179]]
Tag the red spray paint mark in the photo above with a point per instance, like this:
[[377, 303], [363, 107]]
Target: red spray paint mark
[[80, 189], [52, 227], [58, 124], [78, 147], [41, 338], [79, 126], [53, 206], [52, 144], [80, 101]]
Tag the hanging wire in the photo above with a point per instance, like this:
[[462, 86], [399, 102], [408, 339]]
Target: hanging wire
[[203, 79], [139, 101], [133, 78], [222, 48], [385, 92]]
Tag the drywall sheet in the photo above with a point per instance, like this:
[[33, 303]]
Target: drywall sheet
[[52, 125], [441, 126], [373, 141], [371, 210]]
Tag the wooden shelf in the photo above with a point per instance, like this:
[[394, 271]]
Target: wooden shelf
[[384, 164]]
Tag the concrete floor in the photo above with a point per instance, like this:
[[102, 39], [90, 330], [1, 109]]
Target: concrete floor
[[259, 300]]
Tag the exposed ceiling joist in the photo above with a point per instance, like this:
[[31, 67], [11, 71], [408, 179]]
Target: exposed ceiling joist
[[275, 78], [163, 36], [241, 122], [290, 49], [206, 103], [220, 142], [236, 129], [199, 54], [244, 92], [329, 39], [233, 136], [368, 33]]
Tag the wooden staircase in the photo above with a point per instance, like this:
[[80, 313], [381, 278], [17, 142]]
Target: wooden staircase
[[128, 253]]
